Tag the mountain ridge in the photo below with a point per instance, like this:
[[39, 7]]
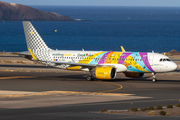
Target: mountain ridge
[[18, 12]]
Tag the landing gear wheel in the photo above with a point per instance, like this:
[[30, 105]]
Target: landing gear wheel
[[154, 77], [90, 78], [154, 80]]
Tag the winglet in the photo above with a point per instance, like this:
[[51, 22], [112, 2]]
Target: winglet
[[123, 50], [33, 56]]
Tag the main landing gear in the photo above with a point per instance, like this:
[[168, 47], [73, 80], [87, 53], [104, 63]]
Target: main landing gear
[[154, 77], [91, 76]]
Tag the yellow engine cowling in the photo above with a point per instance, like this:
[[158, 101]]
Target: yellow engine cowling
[[134, 74], [105, 73]]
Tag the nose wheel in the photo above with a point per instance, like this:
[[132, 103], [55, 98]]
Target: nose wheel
[[154, 77]]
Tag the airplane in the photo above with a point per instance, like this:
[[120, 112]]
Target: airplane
[[102, 65]]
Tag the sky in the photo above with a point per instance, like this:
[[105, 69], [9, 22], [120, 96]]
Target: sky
[[161, 3]]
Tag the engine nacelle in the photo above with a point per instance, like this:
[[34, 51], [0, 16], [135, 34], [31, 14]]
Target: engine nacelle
[[134, 74], [105, 72]]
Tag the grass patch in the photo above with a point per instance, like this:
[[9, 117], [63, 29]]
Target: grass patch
[[20, 62], [104, 110], [169, 106], [151, 113], [134, 109], [6, 61], [177, 105], [162, 112], [144, 109], [151, 108], [159, 107]]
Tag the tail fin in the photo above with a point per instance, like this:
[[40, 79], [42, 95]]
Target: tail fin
[[35, 44]]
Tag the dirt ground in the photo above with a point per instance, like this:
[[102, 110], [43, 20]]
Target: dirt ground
[[169, 112]]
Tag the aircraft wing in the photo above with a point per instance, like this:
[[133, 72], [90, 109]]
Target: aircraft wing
[[74, 64]]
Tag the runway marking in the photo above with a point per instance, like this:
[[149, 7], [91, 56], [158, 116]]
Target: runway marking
[[66, 92], [62, 93], [120, 87], [153, 89], [15, 77]]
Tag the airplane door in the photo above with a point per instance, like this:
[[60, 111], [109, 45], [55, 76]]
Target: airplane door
[[151, 57]]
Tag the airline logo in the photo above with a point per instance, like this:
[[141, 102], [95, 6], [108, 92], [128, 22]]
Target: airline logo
[[81, 55], [67, 54]]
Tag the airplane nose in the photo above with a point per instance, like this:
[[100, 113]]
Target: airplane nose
[[173, 66]]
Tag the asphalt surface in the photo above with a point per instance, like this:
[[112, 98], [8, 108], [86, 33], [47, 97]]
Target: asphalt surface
[[39, 92]]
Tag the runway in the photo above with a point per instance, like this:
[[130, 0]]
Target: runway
[[37, 92]]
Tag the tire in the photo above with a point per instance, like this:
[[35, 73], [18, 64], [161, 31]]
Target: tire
[[154, 80], [89, 78]]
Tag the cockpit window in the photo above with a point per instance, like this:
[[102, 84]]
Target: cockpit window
[[168, 59], [164, 59]]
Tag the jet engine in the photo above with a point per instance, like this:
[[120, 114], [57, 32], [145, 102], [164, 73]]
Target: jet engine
[[134, 74], [105, 72]]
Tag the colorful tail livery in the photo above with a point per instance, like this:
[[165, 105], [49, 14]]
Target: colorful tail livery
[[100, 64]]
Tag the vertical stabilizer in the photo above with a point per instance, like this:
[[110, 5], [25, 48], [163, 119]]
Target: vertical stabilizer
[[35, 44], [33, 39]]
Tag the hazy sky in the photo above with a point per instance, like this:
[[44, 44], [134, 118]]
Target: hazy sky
[[170, 3]]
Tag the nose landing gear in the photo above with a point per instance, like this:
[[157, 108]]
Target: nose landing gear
[[154, 77]]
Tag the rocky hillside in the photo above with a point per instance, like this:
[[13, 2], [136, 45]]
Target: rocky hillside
[[17, 12]]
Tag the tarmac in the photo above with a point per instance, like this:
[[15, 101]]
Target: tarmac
[[34, 91]]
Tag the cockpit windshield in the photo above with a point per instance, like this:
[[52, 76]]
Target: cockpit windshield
[[164, 59]]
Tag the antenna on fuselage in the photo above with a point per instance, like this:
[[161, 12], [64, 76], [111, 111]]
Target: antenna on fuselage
[[123, 50], [152, 51], [82, 49]]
